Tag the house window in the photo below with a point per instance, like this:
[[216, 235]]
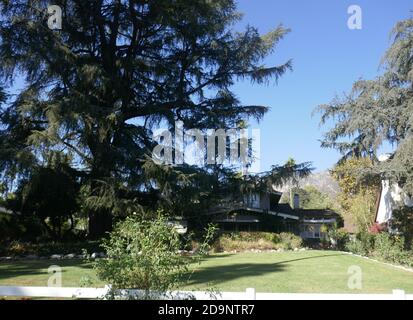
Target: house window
[[253, 200], [311, 231]]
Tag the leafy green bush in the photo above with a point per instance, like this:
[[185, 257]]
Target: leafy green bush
[[243, 242], [391, 249], [246, 241], [144, 255], [339, 238], [288, 241], [382, 246], [363, 244], [253, 236], [357, 247], [403, 222]]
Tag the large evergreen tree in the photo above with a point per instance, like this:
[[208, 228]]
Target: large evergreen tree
[[96, 89], [379, 111]]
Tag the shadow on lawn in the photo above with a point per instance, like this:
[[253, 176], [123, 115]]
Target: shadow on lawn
[[218, 274], [37, 268], [310, 258], [224, 273]]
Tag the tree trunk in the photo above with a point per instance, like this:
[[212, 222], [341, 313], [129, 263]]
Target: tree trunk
[[99, 224]]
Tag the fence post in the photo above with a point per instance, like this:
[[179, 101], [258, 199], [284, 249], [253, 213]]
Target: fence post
[[251, 294], [107, 290], [399, 294]]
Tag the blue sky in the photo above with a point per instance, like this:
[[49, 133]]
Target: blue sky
[[327, 56]]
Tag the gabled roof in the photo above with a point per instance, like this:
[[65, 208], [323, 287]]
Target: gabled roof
[[308, 214]]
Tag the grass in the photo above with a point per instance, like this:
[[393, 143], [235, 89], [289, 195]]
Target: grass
[[289, 272], [297, 272], [35, 273]]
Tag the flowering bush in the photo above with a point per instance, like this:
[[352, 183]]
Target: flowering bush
[[377, 228]]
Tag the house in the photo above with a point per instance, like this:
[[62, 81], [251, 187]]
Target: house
[[390, 197], [262, 211]]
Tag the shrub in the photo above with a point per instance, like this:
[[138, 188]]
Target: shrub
[[357, 247], [390, 248], [363, 244], [288, 241], [143, 254], [246, 241], [339, 238], [382, 246], [403, 222], [16, 248], [242, 242]]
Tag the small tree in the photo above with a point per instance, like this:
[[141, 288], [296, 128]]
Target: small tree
[[143, 254], [358, 192]]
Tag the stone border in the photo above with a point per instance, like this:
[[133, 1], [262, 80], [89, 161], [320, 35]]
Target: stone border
[[400, 267], [97, 255], [71, 256], [266, 251]]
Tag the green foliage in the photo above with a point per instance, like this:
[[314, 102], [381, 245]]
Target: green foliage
[[143, 254], [85, 282], [291, 172], [20, 227], [358, 196], [382, 246], [339, 238], [310, 198], [402, 221], [390, 248], [96, 90], [362, 210], [379, 111], [362, 245], [246, 241], [51, 195], [356, 246], [288, 241], [279, 175], [9, 227]]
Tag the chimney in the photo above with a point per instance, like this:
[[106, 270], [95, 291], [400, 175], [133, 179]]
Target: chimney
[[296, 202]]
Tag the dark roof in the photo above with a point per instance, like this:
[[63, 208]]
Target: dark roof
[[308, 213], [285, 208], [237, 218]]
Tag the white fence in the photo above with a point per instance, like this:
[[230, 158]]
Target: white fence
[[249, 294]]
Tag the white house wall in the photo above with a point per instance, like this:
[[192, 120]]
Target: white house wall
[[391, 196]]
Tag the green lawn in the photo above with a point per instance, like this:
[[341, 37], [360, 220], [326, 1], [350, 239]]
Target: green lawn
[[35, 273], [290, 272], [297, 272]]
